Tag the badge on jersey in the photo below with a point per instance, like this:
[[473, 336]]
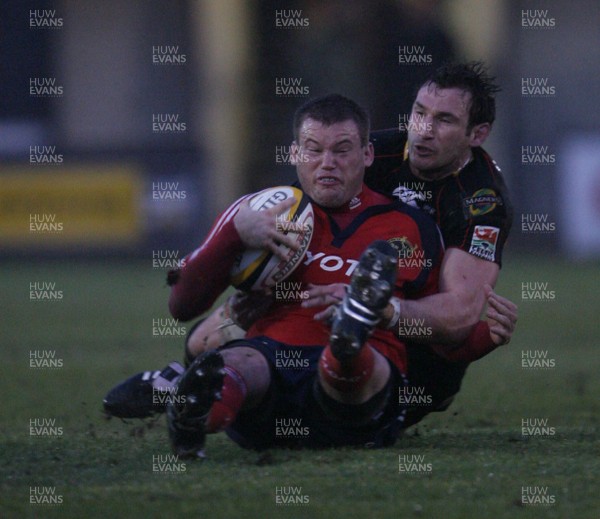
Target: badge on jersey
[[481, 202], [483, 243], [403, 246]]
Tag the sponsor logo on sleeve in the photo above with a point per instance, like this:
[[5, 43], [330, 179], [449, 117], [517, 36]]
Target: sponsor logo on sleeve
[[483, 201], [483, 243]]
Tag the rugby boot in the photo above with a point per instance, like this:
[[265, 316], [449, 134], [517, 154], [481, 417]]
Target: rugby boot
[[144, 394], [370, 290], [195, 393]]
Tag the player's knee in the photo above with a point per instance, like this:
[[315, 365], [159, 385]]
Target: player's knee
[[351, 414], [211, 333], [194, 342], [253, 368]]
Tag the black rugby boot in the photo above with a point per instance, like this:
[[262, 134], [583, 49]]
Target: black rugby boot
[[195, 393], [370, 290], [144, 394]]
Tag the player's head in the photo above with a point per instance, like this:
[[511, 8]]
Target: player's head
[[331, 148], [453, 112], [474, 79], [330, 109]]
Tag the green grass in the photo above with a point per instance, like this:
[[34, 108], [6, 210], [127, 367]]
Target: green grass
[[102, 331]]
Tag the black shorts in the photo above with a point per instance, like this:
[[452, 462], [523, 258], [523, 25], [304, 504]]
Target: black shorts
[[290, 415], [432, 382]]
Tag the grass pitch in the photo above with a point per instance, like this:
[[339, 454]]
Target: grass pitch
[[472, 461]]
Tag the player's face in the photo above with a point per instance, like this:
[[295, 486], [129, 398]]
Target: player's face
[[330, 161], [438, 140]]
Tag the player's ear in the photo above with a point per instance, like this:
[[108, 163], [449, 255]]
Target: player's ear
[[479, 133], [369, 154]]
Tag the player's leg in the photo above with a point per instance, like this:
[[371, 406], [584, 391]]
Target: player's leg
[[147, 393], [210, 394], [435, 380], [208, 334], [352, 373]]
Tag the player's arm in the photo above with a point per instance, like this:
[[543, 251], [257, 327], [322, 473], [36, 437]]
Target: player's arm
[[452, 312], [206, 271]]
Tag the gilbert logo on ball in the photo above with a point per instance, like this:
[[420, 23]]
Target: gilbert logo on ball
[[257, 269]]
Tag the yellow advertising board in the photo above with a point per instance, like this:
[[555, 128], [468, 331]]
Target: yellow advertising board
[[90, 205]]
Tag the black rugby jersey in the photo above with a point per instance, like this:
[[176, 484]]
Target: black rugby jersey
[[472, 207]]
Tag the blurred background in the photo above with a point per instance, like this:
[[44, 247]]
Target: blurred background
[[127, 125]]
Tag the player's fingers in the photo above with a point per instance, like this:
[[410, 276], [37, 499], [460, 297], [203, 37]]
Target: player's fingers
[[281, 207], [326, 314], [501, 319], [319, 295], [499, 335], [506, 310], [336, 290], [276, 238], [276, 250], [289, 240], [501, 328], [499, 301]]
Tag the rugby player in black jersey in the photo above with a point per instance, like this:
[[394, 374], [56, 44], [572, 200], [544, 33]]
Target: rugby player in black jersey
[[439, 166]]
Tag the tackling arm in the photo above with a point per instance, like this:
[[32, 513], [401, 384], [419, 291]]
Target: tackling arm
[[453, 312]]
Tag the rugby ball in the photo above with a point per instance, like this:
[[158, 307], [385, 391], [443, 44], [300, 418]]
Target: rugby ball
[[257, 269]]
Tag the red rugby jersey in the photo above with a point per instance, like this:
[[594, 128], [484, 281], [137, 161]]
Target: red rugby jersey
[[340, 236]]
